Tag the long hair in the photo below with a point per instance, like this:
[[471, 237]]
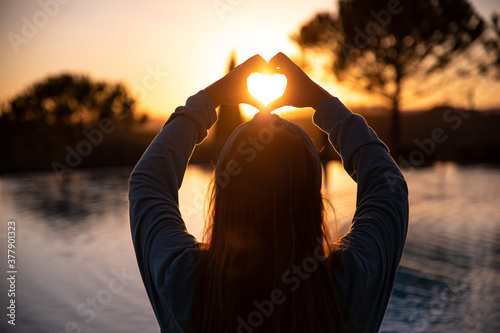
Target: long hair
[[267, 265]]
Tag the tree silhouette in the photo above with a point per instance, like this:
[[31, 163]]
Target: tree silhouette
[[229, 117], [42, 121], [72, 100], [492, 42], [379, 45]]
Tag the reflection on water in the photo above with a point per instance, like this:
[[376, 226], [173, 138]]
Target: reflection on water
[[448, 280], [77, 268]]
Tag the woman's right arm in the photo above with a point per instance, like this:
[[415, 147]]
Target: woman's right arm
[[374, 244], [373, 247]]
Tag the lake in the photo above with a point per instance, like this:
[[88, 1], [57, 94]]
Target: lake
[[76, 269]]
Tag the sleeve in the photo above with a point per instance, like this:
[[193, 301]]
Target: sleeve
[[159, 234], [372, 248]]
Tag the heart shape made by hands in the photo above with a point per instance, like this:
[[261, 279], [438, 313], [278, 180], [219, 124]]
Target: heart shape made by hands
[[266, 88]]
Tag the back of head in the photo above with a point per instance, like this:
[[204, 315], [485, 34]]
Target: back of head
[[268, 190], [266, 217]]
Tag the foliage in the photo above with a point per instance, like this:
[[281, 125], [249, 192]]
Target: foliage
[[492, 42], [379, 44], [72, 100], [52, 117]]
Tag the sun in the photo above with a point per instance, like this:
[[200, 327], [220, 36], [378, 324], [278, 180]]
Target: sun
[[266, 88]]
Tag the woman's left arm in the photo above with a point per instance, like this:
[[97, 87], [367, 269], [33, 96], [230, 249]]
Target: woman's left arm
[[157, 177], [158, 231]]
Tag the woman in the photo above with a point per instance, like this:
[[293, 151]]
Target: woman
[[268, 265]]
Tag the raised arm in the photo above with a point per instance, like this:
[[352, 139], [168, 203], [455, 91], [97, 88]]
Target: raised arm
[[374, 244], [159, 234], [158, 231], [373, 247]]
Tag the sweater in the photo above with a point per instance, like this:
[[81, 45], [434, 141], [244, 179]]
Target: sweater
[[168, 256]]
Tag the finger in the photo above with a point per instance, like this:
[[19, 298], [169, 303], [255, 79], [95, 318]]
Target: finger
[[251, 100], [255, 64], [252, 59], [277, 103], [279, 57], [283, 62], [277, 70]]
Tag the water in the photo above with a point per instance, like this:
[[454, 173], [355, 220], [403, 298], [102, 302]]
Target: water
[[76, 268]]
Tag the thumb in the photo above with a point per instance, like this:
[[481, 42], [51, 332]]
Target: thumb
[[277, 103], [251, 100]]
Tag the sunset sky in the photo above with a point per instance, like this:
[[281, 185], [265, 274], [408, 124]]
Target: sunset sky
[[164, 51]]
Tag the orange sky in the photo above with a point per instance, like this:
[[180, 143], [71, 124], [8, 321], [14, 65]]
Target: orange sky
[[164, 51]]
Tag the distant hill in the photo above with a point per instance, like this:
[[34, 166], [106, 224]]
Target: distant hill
[[440, 134]]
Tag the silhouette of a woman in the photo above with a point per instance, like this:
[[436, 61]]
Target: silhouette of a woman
[[269, 264]]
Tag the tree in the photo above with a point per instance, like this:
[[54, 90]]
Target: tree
[[68, 100], [229, 117], [39, 124], [380, 45], [492, 42]]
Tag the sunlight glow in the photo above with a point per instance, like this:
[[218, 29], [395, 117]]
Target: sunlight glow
[[266, 88], [249, 111]]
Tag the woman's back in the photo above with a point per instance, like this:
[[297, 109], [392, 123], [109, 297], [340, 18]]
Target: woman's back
[[266, 219]]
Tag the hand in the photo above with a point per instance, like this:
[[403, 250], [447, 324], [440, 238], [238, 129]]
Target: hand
[[233, 89], [300, 90]]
